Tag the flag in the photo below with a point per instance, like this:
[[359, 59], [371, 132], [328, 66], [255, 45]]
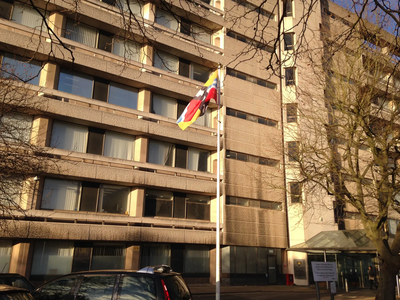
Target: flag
[[198, 105]]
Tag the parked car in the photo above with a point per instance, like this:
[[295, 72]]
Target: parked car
[[150, 283], [8, 292], [16, 280]]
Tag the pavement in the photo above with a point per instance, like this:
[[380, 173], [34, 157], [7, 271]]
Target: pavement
[[281, 292]]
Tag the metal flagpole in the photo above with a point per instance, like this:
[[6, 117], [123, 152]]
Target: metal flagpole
[[217, 240]]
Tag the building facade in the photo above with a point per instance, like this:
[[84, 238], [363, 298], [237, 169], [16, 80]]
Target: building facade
[[128, 188]]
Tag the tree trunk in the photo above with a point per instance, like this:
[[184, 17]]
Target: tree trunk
[[387, 282]]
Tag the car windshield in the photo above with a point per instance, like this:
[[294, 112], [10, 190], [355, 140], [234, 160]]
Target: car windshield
[[177, 288]]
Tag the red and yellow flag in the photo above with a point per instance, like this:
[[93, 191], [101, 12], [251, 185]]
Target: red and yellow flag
[[198, 105]]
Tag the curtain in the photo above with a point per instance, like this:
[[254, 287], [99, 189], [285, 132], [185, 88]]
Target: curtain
[[76, 83], [160, 153], [123, 95], [154, 255], [69, 136], [81, 33], [198, 160], [119, 145], [134, 6], [28, 16], [108, 257], [5, 255], [166, 19], [164, 106], [127, 49], [193, 159], [166, 62], [197, 259], [50, 258], [201, 34], [60, 194]]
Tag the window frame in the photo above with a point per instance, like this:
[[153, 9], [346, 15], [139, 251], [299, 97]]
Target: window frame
[[293, 151], [288, 8], [291, 112], [296, 192], [288, 39], [290, 76]]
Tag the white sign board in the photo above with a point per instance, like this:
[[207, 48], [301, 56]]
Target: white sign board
[[324, 271]]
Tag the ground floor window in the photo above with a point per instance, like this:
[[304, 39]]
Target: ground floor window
[[252, 264], [5, 255], [54, 258], [183, 258]]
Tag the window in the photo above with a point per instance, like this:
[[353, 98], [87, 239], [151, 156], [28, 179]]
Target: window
[[174, 22], [108, 256], [250, 158], [246, 116], [173, 64], [22, 14], [84, 196], [5, 253], [293, 151], [288, 41], [288, 8], [250, 41], [252, 79], [98, 256], [97, 88], [16, 128], [155, 255], [84, 139], [177, 205], [134, 7], [166, 19], [167, 154], [11, 192], [18, 68], [197, 259], [257, 9], [106, 41], [52, 257], [291, 113], [290, 76], [253, 203], [295, 192], [127, 49]]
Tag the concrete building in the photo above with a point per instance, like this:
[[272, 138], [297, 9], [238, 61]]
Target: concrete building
[[128, 187]]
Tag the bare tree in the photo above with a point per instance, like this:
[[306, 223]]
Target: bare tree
[[21, 160], [348, 141]]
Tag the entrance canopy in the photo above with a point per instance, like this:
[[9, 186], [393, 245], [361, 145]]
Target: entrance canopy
[[336, 242]]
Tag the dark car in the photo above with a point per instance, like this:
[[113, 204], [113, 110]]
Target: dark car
[[150, 283], [14, 293], [16, 280]]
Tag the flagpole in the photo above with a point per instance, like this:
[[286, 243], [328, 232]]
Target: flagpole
[[217, 240]]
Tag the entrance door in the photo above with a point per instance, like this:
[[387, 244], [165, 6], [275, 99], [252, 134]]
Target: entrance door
[[272, 269]]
